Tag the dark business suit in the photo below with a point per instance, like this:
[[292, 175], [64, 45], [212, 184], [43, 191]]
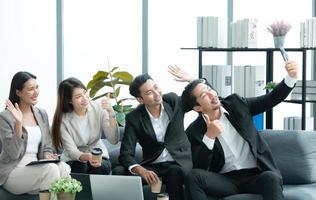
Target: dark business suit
[[212, 161], [139, 129]]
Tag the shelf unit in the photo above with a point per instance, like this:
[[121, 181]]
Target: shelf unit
[[269, 73]]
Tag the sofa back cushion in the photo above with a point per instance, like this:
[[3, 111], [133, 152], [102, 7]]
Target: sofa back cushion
[[294, 153], [114, 150]]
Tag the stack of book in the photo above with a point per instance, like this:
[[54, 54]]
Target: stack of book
[[310, 91], [211, 32], [220, 77], [244, 33], [308, 33], [295, 123], [249, 80]]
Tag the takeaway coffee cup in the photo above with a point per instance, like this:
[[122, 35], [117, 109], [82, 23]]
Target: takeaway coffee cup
[[44, 195], [97, 154], [155, 188], [163, 196]]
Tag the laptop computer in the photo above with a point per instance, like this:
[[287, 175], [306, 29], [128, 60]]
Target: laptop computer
[[116, 187]]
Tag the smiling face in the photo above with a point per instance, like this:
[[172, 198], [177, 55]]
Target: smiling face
[[80, 100], [206, 99], [150, 94], [29, 93]]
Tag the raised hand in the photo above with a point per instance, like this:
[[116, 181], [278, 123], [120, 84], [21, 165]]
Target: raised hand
[[106, 104], [214, 127], [15, 110], [180, 75], [292, 69]]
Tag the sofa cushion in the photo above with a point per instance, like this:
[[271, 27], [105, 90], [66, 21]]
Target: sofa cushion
[[5, 195], [243, 197], [300, 192], [294, 153]]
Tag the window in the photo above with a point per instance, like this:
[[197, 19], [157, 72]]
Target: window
[[28, 43], [100, 32], [172, 25], [266, 12]]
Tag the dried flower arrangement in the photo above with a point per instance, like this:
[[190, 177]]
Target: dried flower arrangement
[[279, 28]]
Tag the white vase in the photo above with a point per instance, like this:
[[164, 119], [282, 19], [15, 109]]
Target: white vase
[[278, 41]]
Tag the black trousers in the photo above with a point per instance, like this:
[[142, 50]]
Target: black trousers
[[201, 183], [171, 173], [86, 168]]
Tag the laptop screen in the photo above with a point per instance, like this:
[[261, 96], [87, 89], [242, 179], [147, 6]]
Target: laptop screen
[[116, 187]]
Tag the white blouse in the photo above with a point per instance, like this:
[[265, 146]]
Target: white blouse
[[34, 137]]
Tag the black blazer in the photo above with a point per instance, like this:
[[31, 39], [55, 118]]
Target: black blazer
[[139, 129], [240, 115]]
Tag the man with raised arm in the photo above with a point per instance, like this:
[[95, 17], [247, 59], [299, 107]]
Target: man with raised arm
[[229, 155]]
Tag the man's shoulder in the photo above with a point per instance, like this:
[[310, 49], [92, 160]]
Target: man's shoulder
[[136, 112], [171, 96], [195, 126], [232, 99]]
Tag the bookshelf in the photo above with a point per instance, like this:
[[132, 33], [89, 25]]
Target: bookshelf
[[269, 73]]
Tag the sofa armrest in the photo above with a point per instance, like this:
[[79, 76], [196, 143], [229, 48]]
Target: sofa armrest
[[294, 153]]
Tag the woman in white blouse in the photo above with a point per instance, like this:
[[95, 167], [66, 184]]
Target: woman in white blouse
[[78, 125], [25, 137]]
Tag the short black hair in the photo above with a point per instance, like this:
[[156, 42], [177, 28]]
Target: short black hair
[[188, 99], [137, 83]]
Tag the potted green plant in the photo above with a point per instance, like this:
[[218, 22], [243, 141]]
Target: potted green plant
[[112, 80], [65, 188], [270, 86]]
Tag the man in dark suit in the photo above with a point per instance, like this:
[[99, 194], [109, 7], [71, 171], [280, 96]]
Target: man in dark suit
[[229, 156], [157, 125]]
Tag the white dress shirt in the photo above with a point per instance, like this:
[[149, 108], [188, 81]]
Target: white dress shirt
[[236, 150], [160, 125]]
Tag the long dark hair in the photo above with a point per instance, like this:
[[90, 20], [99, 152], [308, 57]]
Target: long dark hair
[[65, 90], [17, 83]]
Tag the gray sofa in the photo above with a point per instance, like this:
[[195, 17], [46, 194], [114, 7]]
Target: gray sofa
[[295, 155], [294, 152]]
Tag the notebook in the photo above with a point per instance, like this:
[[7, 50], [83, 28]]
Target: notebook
[[116, 187]]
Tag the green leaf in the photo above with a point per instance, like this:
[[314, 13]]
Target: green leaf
[[98, 77], [114, 68], [117, 91], [96, 87], [120, 118], [124, 76], [124, 99]]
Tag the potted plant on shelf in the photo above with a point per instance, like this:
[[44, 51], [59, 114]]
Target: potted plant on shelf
[[112, 79], [270, 86], [279, 29], [65, 188]]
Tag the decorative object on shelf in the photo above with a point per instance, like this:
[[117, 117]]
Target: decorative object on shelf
[[65, 188], [279, 29], [112, 79], [270, 86]]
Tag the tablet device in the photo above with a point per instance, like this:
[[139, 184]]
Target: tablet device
[[43, 161]]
